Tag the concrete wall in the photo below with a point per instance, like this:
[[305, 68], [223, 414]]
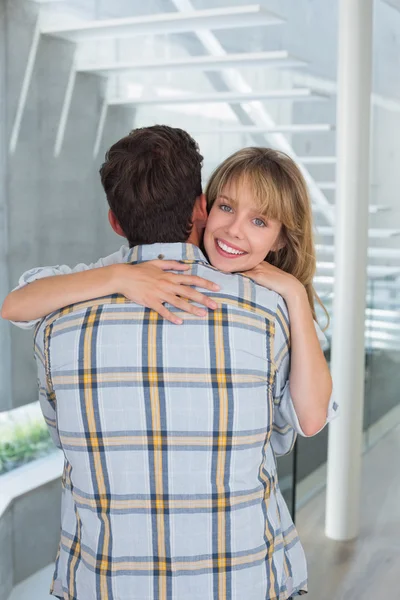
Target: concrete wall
[[29, 533], [57, 211], [5, 364], [6, 556]]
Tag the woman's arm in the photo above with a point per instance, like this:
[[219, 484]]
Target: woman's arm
[[310, 379], [148, 284]]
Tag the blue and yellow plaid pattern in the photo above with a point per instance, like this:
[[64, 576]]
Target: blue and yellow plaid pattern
[[169, 433]]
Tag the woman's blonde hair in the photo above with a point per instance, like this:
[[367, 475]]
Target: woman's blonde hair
[[281, 193]]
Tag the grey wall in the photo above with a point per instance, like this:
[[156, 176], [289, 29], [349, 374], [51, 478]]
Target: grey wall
[[6, 556], [5, 365], [57, 211], [29, 534]]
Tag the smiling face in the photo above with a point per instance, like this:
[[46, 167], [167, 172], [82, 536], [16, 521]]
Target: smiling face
[[237, 236]]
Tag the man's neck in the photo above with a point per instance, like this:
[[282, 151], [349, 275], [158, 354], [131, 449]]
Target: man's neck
[[195, 237]]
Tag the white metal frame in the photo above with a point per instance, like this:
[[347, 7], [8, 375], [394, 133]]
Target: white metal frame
[[317, 160], [167, 23], [278, 59], [302, 94], [373, 252], [373, 233], [372, 208], [254, 129]]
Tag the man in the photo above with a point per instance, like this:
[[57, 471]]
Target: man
[[169, 486]]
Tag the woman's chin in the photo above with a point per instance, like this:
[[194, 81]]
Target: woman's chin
[[225, 266]]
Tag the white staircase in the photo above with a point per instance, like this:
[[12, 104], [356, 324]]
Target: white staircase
[[134, 82]]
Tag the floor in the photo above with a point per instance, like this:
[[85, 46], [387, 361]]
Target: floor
[[366, 569], [369, 567]]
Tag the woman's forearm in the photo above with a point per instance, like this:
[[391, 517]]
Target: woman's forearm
[[42, 297], [310, 380]]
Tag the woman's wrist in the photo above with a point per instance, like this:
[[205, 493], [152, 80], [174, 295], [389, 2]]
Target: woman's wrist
[[116, 278], [296, 296], [293, 291]]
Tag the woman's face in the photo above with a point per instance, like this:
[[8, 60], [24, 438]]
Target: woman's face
[[237, 236]]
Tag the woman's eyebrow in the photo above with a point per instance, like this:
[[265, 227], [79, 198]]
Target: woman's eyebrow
[[232, 200]]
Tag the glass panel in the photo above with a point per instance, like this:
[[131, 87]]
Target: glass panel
[[382, 403], [286, 473], [24, 437]]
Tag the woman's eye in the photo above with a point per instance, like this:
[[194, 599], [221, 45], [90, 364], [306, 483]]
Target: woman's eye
[[225, 208], [259, 222]]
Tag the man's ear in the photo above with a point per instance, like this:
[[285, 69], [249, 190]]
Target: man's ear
[[114, 223], [200, 214]]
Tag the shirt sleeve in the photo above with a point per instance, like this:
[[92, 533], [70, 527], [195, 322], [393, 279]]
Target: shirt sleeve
[[47, 397], [42, 272], [286, 424]]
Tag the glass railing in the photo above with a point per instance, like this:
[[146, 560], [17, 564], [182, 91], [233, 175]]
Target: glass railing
[[382, 359], [303, 472]]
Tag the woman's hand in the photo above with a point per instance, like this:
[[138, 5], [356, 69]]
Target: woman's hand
[[274, 279], [150, 284]]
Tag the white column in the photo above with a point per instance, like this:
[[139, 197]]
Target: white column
[[351, 243]]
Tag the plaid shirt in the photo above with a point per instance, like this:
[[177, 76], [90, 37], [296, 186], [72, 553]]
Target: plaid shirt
[[169, 433]]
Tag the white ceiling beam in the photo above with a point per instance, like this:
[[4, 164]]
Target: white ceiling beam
[[254, 129], [377, 345], [382, 308], [380, 283], [180, 22], [373, 233], [374, 271], [388, 325], [331, 185], [278, 59], [215, 97], [26, 82], [385, 253], [317, 160], [383, 313], [378, 208], [373, 208], [382, 336], [326, 185]]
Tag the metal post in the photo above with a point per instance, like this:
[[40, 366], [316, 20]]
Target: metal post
[[294, 480], [351, 246]]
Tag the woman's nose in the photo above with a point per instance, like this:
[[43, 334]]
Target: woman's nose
[[235, 229]]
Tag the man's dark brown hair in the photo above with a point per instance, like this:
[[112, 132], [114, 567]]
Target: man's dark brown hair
[[152, 178]]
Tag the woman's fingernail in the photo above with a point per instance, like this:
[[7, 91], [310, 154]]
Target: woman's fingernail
[[216, 287], [178, 321], [213, 305]]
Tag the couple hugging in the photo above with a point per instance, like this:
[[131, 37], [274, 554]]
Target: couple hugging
[[170, 405]]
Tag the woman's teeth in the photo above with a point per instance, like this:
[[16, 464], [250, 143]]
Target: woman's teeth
[[228, 249]]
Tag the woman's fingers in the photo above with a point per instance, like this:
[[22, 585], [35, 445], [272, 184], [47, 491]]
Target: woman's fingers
[[170, 265], [196, 281], [195, 296], [167, 314], [185, 305]]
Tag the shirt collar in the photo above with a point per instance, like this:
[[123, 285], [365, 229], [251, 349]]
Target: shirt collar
[[178, 251]]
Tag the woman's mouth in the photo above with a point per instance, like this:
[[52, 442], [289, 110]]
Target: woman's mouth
[[227, 250]]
